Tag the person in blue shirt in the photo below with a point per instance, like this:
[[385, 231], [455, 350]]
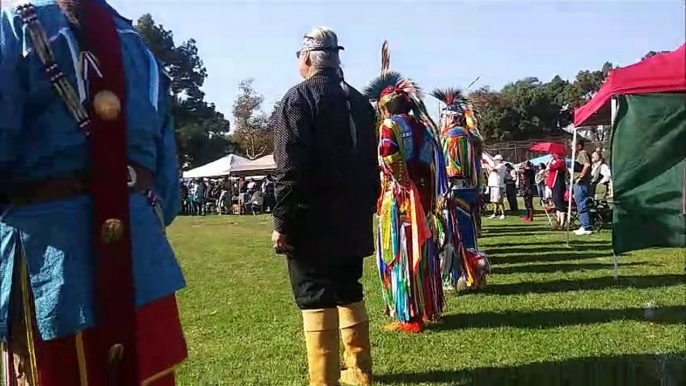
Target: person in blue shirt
[[53, 323]]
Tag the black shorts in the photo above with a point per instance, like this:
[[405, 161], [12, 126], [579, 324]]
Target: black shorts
[[325, 283]]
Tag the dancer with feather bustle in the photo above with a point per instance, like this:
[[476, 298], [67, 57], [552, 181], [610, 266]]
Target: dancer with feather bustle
[[462, 265], [413, 178]]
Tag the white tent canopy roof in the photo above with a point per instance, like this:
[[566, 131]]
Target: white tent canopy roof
[[220, 167], [237, 164], [263, 164]]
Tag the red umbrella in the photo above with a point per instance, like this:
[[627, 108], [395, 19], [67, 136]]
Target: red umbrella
[[549, 147]]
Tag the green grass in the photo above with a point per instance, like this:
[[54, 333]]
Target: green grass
[[551, 315]]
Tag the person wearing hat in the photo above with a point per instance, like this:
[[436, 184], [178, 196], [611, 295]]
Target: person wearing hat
[[413, 177], [326, 186], [90, 182], [496, 185]]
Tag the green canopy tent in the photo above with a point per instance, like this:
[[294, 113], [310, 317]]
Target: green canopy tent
[[646, 105]]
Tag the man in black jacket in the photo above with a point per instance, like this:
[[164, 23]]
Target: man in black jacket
[[326, 189]]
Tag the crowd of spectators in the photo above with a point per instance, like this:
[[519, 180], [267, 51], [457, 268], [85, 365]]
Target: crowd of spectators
[[550, 182], [203, 196]]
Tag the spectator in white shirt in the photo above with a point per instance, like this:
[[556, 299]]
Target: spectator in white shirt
[[601, 176], [496, 185], [251, 187]]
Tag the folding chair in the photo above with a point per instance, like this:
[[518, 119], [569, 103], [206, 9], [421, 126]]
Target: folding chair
[[549, 211], [257, 206]]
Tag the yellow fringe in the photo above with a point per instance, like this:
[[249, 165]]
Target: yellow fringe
[[28, 319], [81, 355], [159, 375]]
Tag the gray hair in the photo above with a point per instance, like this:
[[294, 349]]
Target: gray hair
[[324, 59], [325, 37]]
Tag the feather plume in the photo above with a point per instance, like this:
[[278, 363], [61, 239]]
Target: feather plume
[[391, 78], [449, 95], [385, 58]]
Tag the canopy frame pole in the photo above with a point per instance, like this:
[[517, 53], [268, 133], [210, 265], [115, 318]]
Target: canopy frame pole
[[571, 184], [613, 116]]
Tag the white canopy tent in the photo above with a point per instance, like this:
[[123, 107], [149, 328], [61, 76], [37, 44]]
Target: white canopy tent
[[259, 166], [218, 168], [266, 164], [238, 166]]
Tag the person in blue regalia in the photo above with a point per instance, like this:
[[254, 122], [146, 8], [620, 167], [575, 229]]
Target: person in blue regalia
[[89, 184]]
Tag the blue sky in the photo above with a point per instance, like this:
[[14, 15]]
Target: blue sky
[[436, 43]]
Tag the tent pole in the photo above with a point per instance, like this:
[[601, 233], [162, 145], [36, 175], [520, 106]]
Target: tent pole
[[571, 185], [613, 115]]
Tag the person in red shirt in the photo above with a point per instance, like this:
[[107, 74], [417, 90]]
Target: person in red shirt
[[556, 182]]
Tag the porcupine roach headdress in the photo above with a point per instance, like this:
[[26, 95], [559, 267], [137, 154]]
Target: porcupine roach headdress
[[457, 105], [390, 86], [453, 98]]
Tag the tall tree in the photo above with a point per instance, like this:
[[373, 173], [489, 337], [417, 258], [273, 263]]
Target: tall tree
[[529, 109], [201, 130], [182, 63], [253, 135], [586, 84], [496, 116]]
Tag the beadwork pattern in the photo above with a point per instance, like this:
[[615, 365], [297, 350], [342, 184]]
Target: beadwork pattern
[[56, 76]]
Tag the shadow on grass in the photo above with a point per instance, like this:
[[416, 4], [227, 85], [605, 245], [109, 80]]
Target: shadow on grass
[[557, 318], [547, 257], [544, 243], [550, 268], [624, 370], [519, 229], [652, 281], [546, 234], [496, 250]]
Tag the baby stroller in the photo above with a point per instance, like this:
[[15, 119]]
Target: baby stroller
[[601, 214], [600, 211]]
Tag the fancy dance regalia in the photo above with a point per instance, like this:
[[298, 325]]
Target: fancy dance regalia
[[89, 183], [407, 245], [462, 264]]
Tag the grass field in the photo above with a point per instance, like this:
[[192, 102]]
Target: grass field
[[551, 315]]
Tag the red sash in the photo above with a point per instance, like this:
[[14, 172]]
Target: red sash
[[115, 351]]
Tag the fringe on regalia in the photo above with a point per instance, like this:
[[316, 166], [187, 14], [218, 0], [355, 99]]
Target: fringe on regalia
[[408, 250], [462, 265], [408, 258]]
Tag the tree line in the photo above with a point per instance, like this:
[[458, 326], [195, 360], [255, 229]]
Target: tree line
[[203, 134], [521, 110], [530, 109]]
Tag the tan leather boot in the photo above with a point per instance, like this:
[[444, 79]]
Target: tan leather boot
[[323, 346], [357, 355]]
